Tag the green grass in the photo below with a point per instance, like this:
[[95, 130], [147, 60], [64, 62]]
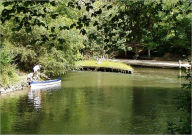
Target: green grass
[[107, 64], [10, 75]]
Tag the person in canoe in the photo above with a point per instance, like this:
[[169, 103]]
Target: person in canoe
[[37, 74], [30, 77]]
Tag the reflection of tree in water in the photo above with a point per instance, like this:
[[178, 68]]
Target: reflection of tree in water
[[28, 115], [25, 119], [161, 111], [149, 110], [182, 124]]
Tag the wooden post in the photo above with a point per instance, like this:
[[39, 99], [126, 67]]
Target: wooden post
[[180, 68], [149, 53], [179, 64], [180, 73], [136, 52]]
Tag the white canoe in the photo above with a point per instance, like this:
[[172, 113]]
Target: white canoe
[[45, 84]]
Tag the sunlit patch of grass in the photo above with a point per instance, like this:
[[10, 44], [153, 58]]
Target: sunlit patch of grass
[[106, 64], [8, 75]]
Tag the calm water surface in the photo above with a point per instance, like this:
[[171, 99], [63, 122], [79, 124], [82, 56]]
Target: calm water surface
[[97, 102]]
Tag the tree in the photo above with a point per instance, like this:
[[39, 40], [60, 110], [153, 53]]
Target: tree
[[159, 25], [35, 31]]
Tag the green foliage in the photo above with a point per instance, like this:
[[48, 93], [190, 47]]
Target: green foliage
[[7, 70], [160, 25], [187, 76], [54, 63], [37, 32], [5, 57], [33, 30], [182, 124], [8, 75]]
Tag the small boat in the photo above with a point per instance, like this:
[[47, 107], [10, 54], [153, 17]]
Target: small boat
[[45, 84]]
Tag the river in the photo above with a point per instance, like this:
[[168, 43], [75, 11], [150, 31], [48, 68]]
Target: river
[[147, 101]]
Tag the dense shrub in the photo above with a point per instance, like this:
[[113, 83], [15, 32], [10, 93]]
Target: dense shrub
[[7, 69]]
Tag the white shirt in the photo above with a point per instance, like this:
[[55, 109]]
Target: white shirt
[[30, 75], [37, 67]]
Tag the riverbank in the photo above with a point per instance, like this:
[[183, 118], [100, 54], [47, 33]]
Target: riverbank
[[113, 65], [19, 85], [154, 63], [104, 66]]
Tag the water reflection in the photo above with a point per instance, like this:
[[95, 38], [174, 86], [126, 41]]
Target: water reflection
[[181, 124], [101, 103], [34, 95]]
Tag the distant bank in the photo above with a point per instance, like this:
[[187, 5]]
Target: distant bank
[[154, 63]]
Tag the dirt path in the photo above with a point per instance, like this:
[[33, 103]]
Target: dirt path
[[154, 63]]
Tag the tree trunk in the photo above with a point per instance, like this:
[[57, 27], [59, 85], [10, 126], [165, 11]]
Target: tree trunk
[[125, 53]]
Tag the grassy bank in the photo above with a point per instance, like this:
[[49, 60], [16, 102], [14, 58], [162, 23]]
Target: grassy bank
[[12, 77], [104, 64], [13, 81]]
